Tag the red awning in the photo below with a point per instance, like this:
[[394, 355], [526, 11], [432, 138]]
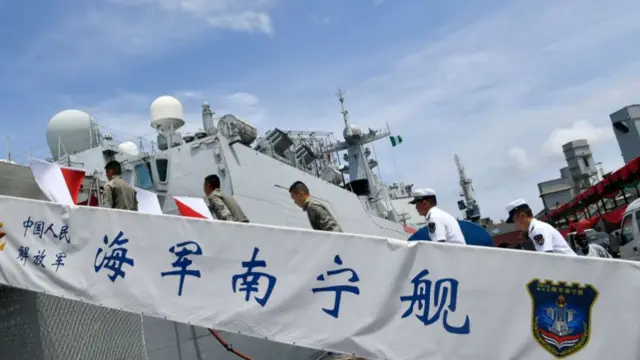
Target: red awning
[[590, 222], [615, 216], [607, 187]]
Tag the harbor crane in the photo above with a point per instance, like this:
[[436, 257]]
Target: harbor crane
[[469, 204]]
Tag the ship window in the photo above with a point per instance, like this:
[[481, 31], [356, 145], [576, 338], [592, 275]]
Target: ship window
[[162, 165], [143, 176]]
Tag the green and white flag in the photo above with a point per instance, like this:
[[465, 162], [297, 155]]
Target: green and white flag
[[395, 140]]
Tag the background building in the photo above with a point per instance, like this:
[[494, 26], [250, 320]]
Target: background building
[[580, 173], [626, 126]]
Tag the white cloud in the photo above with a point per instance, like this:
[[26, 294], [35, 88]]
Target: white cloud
[[580, 129], [243, 99], [520, 158], [112, 32], [551, 151], [238, 15]]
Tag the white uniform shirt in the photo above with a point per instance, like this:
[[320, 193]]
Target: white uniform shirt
[[547, 239], [443, 227], [595, 250]]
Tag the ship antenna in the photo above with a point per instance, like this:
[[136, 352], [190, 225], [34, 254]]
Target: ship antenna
[[8, 144], [345, 113]]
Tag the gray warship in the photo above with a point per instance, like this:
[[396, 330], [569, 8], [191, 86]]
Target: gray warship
[[257, 171]]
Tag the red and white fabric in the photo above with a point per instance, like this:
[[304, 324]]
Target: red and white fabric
[[148, 202], [409, 229], [192, 207], [59, 184]]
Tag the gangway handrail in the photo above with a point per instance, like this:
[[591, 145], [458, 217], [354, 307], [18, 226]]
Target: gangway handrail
[[228, 346]]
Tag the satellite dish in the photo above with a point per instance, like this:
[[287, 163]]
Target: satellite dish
[[166, 114], [129, 148]]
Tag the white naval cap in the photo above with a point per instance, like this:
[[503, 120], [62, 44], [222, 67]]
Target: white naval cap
[[422, 194], [514, 206]]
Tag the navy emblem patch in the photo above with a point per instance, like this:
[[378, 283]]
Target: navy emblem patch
[[539, 239], [561, 315], [432, 227]]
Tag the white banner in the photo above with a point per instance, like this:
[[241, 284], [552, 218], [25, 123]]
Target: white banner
[[373, 297]]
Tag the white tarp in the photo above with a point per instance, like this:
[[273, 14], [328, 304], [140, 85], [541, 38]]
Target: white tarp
[[396, 300]]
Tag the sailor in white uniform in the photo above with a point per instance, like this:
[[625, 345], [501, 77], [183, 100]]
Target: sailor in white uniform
[[443, 227], [544, 236]]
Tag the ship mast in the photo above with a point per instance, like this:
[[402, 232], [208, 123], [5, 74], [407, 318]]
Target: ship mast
[[359, 167], [8, 144], [344, 112], [472, 210]]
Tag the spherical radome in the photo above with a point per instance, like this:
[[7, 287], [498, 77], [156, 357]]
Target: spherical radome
[[352, 131], [129, 148], [72, 129], [166, 111]]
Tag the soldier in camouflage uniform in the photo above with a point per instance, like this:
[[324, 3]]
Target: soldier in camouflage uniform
[[117, 193], [320, 217], [223, 207]]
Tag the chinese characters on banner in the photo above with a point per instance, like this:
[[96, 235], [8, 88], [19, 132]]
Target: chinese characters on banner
[[431, 302], [182, 251], [40, 228], [423, 289], [43, 230], [250, 279], [116, 259], [338, 289]]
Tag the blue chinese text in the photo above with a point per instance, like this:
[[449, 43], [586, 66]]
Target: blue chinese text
[[39, 258], [425, 293], [40, 229], [338, 289], [116, 259], [23, 254], [59, 260], [182, 251], [250, 280]]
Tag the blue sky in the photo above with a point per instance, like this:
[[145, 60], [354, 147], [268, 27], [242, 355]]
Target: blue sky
[[502, 83]]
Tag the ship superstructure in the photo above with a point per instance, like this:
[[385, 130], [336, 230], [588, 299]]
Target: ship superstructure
[[250, 167]]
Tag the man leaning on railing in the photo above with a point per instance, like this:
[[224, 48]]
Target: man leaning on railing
[[319, 216]]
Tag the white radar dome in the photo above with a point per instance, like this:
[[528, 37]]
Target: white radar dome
[[70, 132], [129, 148], [166, 113]]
